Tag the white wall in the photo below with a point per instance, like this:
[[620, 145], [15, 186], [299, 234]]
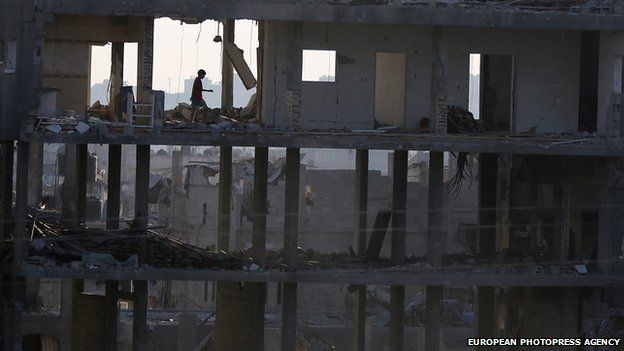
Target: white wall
[[547, 67], [546, 72]]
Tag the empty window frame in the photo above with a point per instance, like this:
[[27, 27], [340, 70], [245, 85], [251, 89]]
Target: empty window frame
[[318, 66]]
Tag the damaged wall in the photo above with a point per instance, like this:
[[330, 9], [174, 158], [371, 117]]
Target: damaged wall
[[546, 73]]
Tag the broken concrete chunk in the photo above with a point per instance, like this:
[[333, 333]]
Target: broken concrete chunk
[[54, 128], [238, 61], [82, 127]]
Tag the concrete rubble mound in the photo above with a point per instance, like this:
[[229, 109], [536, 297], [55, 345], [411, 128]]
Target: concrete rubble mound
[[52, 245]]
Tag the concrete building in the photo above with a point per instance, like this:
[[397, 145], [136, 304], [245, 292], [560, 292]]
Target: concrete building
[[543, 245]]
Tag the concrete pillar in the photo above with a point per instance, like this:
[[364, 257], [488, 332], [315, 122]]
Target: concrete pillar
[[291, 241], [81, 182], [74, 188], [260, 70], [187, 332], [145, 64], [141, 210], [293, 74], [35, 173], [225, 197], [227, 70], [399, 202], [361, 206], [6, 212], [486, 296], [436, 241], [260, 204], [116, 82], [112, 223], [111, 317], [438, 120], [114, 186], [261, 161], [20, 249]]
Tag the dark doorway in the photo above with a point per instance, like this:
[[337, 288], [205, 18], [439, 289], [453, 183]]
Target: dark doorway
[[496, 87]]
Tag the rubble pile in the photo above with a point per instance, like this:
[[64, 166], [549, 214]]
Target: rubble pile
[[103, 112], [52, 245], [185, 116]]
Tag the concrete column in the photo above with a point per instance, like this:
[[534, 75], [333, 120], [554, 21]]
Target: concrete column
[[225, 197], [436, 241], [361, 206], [260, 70], [6, 212], [112, 315], [74, 188], [260, 204], [291, 241], [145, 64], [486, 296], [187, 332], [114, 186], [293, 74], [112, 222], [35, 173], [116, 82], [261, 160], [82, 158], [141, 200], [141, 210], [438, 119], [20, 248], [227, 70], [399, 202], [610, 219]]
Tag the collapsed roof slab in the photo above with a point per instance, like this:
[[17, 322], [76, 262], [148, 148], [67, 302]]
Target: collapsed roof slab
[[580, 146], [354, 277], [576, 14]]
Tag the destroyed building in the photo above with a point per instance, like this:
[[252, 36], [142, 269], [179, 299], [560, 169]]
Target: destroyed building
[[538, 253]]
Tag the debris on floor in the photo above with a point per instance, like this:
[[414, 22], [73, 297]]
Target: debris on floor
[[52, 245]]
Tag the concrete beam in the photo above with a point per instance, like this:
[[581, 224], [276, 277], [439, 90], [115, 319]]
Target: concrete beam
[[354, 140], [356, 276], [423, 15]]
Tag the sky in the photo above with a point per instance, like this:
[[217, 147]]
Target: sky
[[181, 49]]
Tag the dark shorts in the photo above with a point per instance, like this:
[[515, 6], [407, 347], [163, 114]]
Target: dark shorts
[[198, 103]]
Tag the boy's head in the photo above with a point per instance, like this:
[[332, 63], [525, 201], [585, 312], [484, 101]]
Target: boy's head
[[201, 73]]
